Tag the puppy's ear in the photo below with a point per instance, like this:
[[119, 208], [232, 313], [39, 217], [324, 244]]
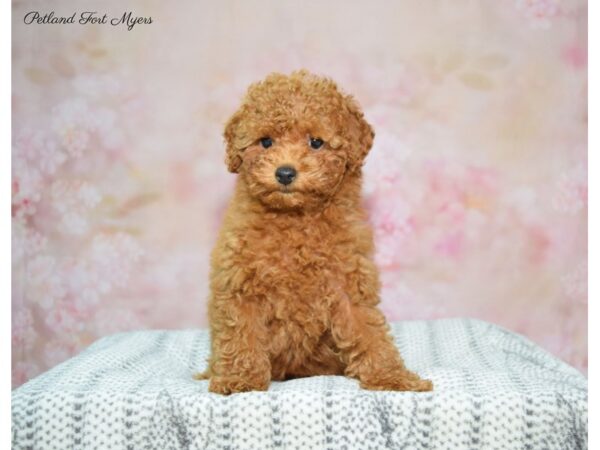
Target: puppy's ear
[[233, 157], [361, 133]]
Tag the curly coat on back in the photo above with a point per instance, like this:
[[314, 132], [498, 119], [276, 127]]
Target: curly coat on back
[[294, 289]]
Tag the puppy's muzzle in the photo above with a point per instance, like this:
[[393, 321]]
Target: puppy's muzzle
[[285, 175]]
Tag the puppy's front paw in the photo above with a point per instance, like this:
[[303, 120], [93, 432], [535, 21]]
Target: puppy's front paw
[[201, 375], [235, 384], [397, 381]]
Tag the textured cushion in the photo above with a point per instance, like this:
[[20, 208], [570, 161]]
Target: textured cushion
[[493, 390]]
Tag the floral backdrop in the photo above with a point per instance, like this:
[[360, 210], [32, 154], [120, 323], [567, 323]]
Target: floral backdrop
[[476, 184]]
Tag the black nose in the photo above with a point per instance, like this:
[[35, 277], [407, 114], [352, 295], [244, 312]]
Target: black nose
[[285, 174]]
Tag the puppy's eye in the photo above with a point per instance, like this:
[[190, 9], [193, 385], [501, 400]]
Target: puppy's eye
[[316, 143], [266, 142]]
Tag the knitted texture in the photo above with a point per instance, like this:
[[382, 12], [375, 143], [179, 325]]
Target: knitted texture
[[493, 389]]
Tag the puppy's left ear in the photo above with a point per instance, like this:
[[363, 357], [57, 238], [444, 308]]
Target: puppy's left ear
[[361, 133], [233, 151]]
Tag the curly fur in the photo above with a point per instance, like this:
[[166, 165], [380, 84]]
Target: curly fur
[[294, 290]]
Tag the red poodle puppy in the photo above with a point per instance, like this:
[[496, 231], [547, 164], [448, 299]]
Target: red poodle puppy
[[294, 290]]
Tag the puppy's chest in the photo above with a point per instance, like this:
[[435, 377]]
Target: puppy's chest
[[297, 267]]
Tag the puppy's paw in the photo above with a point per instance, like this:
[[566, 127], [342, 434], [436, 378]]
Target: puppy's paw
[[233, 385], [399, 381], [201, 375]]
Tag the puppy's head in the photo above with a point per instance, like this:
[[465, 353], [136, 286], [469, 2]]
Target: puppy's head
[[295, 139]]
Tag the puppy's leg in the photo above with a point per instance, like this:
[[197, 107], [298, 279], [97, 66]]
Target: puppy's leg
[[362, 335], [239, 360]]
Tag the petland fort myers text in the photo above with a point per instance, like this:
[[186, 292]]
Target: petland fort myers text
[[127, 19]]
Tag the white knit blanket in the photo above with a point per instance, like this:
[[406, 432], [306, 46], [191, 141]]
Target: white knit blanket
[[493, 390]]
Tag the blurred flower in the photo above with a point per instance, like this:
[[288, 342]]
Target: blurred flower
[[77, 123], [113, 257], [88, 195], [26, 242], [34, 148], [575, 55], [385, 165], [73, 199], [570, 192], [66, 281], [24, 370], [115, 321], [574, 283], [71, 120], [539, 12], [23, 330], [98, 87], [74, 223], [56, 352], [61, 320]]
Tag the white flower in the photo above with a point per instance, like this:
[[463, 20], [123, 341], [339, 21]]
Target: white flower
[[46, 282], [72, 122], [570, 193], [78, 278], [27, 242], [113, 258], [36, 243], [52, 160], [73, 200], [98, 87], [105, 126], [46, 301], [86, 298], [34, 150], [385, 163], [574, 283], [76, 122], [62, 321], [89, 195], [75, 223], [32, 143], [41, 268]]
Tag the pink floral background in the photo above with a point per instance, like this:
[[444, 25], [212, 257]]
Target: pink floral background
[[476, 185]]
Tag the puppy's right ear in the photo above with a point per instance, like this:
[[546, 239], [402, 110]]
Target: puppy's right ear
[[233, 152], [362, 131]]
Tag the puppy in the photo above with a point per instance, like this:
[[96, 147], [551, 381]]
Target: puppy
[[294, 289]]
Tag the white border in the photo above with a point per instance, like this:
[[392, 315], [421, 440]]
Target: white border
[[5, 221]]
